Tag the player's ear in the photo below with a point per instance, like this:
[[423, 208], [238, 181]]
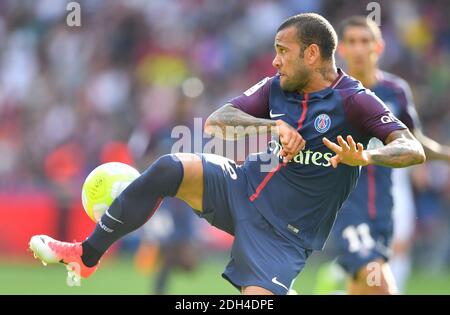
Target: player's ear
[[341, 49], [312, 54], [380, 47]]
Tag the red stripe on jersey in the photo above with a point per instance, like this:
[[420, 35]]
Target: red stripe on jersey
[[265, 181], [305, 109], [371, 191], [276, 169]]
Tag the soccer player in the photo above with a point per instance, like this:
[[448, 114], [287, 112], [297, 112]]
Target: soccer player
[[364, 226], [323, 120]]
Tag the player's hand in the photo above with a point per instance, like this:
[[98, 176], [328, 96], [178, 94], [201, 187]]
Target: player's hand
[[291, 141], [347, 152]]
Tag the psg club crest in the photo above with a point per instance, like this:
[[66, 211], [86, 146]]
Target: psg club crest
[[322, 123]]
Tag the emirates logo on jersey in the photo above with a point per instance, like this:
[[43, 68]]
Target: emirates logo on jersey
[[305, 157]]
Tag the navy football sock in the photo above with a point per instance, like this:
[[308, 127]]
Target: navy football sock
[[134, 206]]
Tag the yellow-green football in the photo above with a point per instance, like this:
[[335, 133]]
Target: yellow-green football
[[103, 185]]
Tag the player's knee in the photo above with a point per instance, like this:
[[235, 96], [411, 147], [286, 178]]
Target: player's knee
[[167, 172], [255, 290], [375, 281], [381, 288], [160, 180], [168, 165]]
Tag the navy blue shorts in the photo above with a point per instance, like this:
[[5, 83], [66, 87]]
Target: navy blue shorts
[[260, 256], [360, 241]]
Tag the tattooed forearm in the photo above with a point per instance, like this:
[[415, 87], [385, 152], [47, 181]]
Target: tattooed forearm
[[231, 123], [401, 150]]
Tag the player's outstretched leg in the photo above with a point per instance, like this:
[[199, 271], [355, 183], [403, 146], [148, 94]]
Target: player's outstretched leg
[[179, 175]]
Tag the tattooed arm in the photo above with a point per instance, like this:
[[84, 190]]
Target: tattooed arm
[[371, 117], [248, 114], [231, 123], [401, 150]]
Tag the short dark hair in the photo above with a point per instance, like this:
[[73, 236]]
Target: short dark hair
[[361, 21], [313, 28]]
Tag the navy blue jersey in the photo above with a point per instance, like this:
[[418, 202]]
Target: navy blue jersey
[[301, 198], [372, 197]]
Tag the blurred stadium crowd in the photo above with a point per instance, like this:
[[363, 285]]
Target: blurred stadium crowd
[[113, 88]]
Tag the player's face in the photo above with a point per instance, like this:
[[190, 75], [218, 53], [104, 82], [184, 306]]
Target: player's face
[[359, 48], [294, 75]]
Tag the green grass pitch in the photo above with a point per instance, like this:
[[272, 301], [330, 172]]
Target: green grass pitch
[[118, 276]]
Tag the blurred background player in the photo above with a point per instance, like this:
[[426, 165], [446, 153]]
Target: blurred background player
[[364, 227], [169, 242]]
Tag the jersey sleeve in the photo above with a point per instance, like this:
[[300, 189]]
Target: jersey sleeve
[[255, 101], [368, 114], [408, 114]]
